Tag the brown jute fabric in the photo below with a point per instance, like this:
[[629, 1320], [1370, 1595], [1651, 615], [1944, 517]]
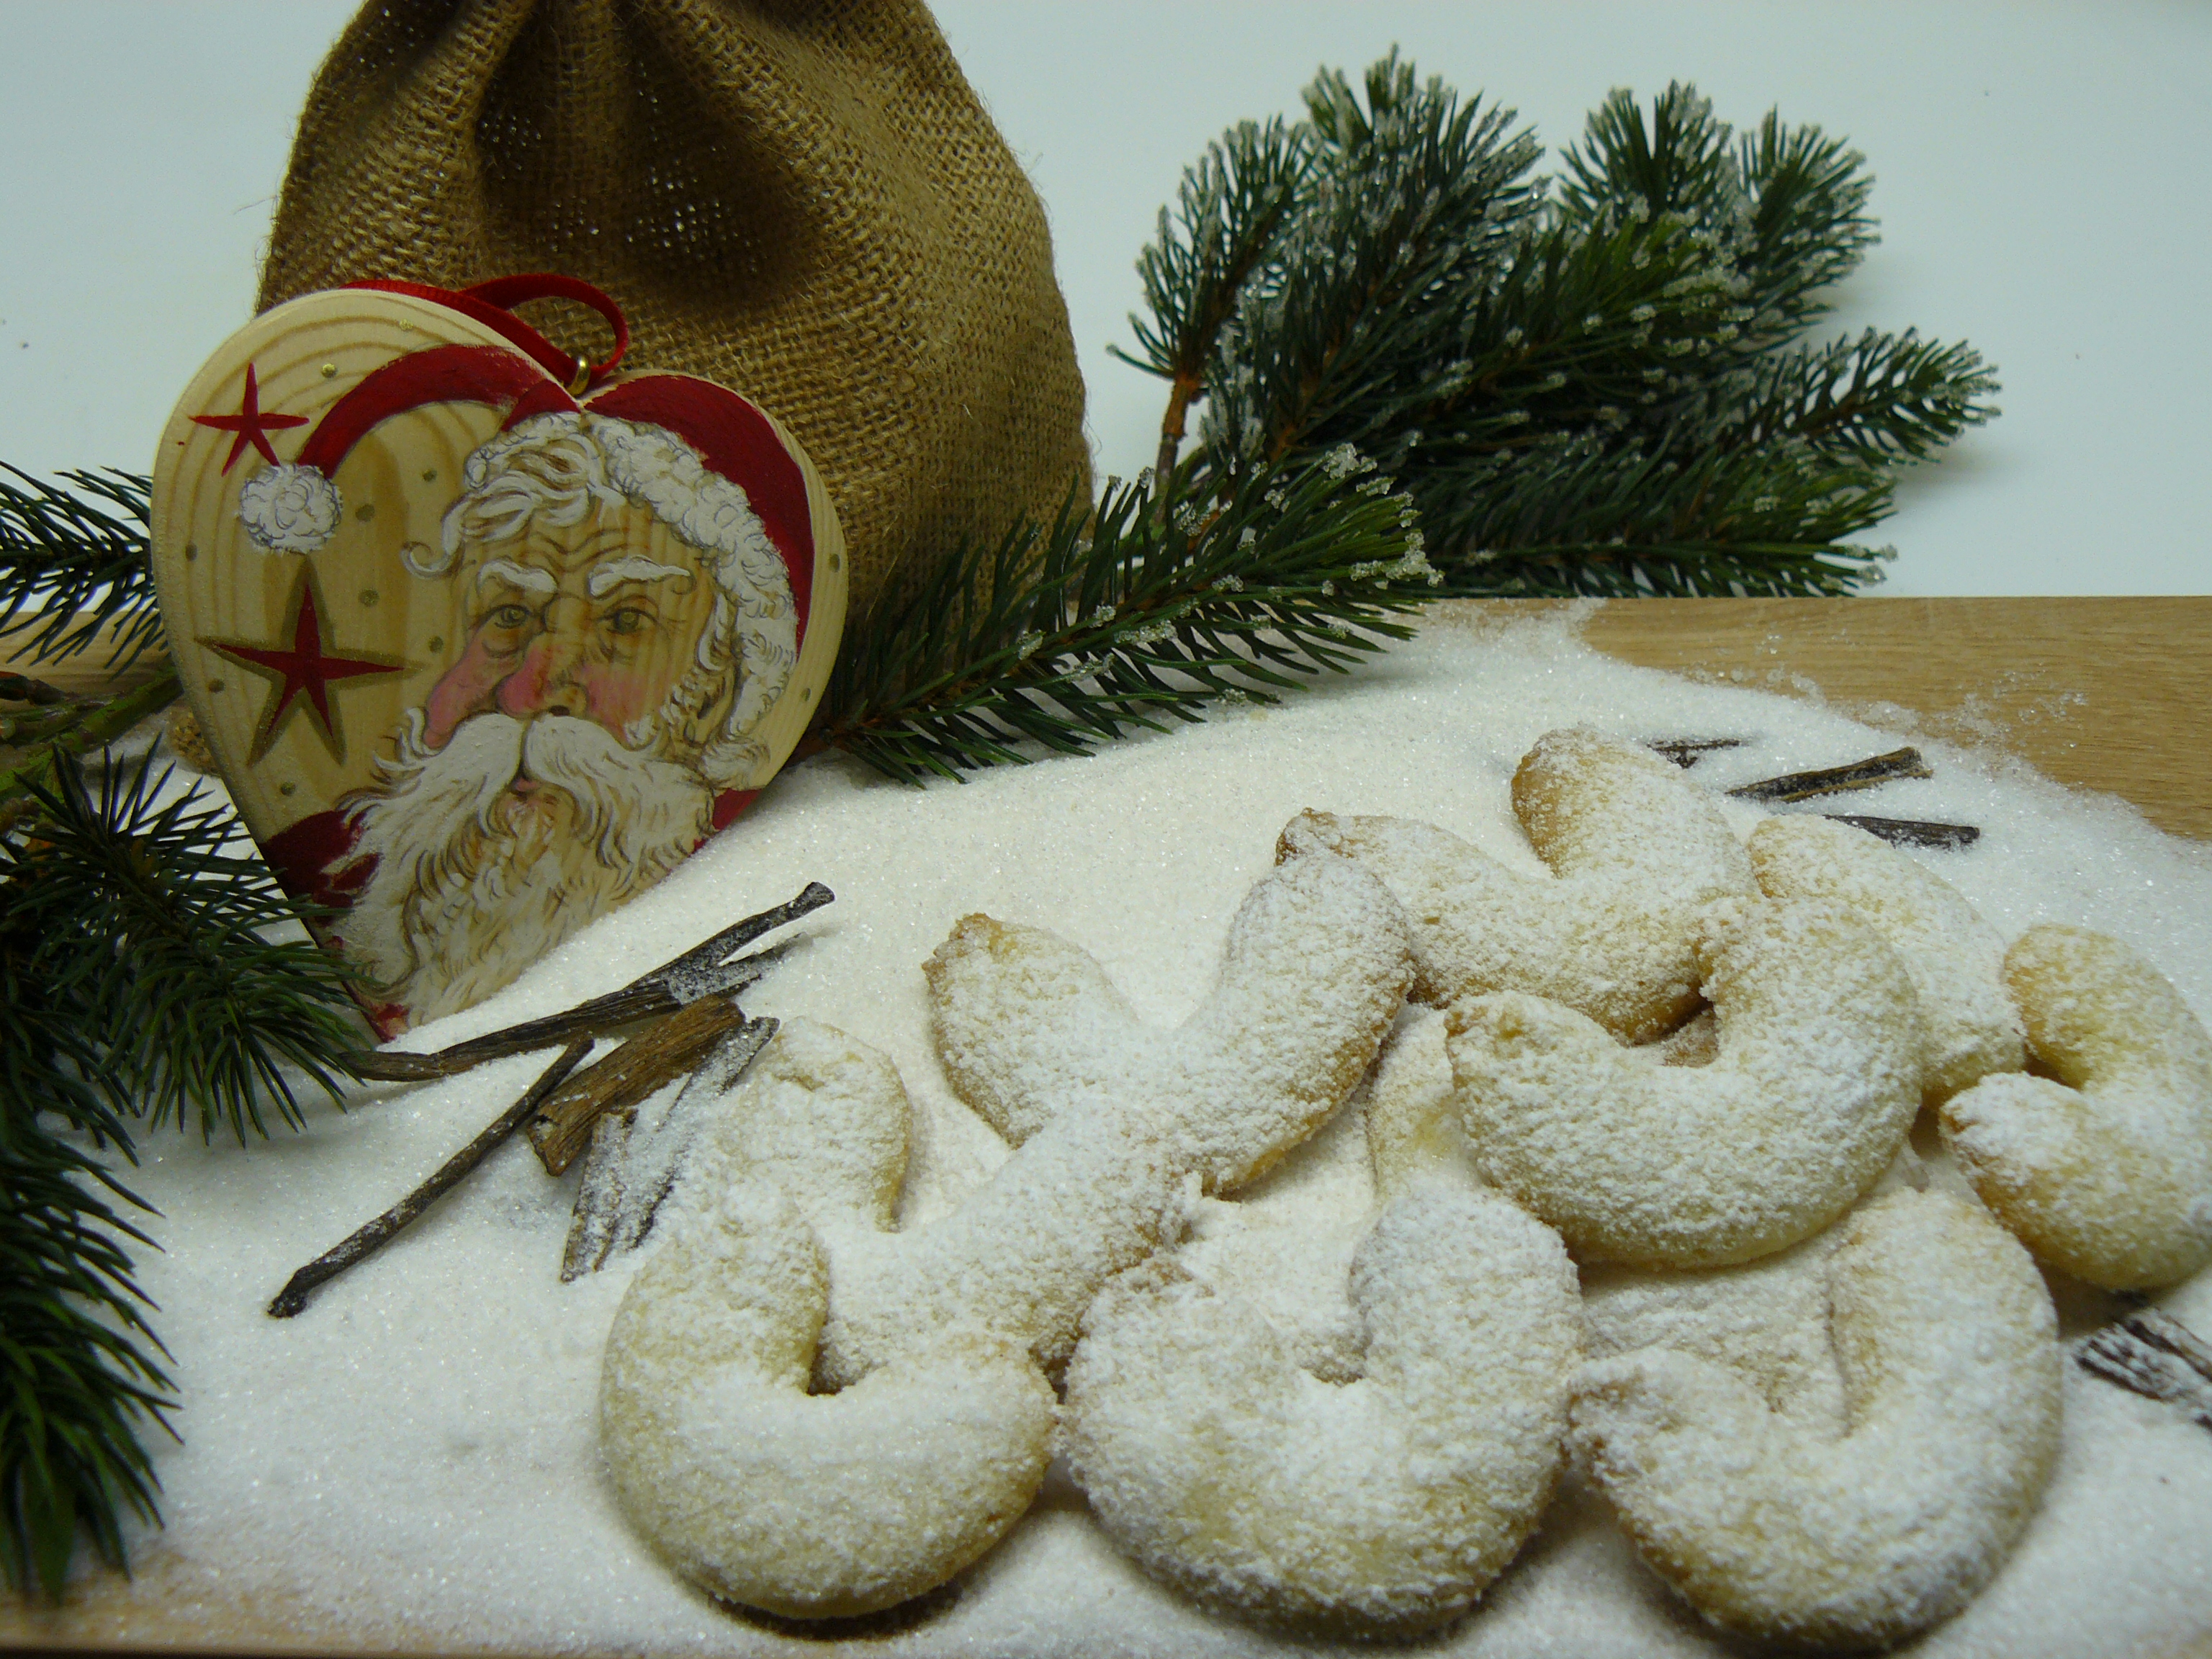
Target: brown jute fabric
[[802, 199]]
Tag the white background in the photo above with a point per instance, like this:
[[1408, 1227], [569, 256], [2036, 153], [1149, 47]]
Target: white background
[[2042, 186]]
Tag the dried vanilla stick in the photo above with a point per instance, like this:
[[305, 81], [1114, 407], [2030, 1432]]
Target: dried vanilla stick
[[632, 1165], [1686, 752], [705, 968], [2155, 1355], [1837, 779], [1912, 832], [669, 1047]]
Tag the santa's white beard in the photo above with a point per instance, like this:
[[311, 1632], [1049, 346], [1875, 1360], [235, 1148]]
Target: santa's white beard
[[474, 883]]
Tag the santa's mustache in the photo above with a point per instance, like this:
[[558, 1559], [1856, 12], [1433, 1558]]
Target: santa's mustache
[[471, 881], [466, 784]]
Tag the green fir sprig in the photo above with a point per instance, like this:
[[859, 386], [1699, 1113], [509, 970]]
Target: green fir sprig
[[1598, 384], [153, 931], [1142, 610], [73, 573], [79, 1375], [141, 980], [73, 563]]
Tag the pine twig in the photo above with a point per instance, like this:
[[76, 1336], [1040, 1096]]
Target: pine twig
[[1588, 385], [1061, 637], [367, 1239], [152, 925], [97, 724], [81, 1370], [73, 562]]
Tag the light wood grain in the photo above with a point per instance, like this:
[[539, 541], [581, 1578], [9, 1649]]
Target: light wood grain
[[84, 673], [2105, 694]]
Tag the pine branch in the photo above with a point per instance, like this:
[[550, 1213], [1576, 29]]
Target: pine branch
[[83, 727], [1592, 387], [1880, 397], [76, 1376], [77, 1372], [1412, 199], [1058, 638], [73, 562], [144, 925], [1231, 204], [137, 981], [1625, 524]]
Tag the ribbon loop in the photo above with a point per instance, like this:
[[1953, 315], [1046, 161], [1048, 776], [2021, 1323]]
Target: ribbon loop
[[492, 304]]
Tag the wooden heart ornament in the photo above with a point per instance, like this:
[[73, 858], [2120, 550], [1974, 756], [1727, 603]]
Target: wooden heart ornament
[[486, 641]]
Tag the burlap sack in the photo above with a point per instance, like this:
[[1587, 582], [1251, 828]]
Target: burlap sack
[[802, 199]]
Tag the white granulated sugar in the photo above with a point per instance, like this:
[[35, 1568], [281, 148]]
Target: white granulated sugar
[[413, 1462]]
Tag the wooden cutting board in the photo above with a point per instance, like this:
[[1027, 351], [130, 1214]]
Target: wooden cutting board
[[2105, 694]]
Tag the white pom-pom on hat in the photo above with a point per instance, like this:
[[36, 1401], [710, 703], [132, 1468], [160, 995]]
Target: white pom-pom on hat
[[290, 508]]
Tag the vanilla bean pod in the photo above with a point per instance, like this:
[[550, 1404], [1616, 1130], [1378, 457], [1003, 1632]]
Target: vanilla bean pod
[[1837, 779], [2162, 1331], [2156, 1356], [700, 971], [367, 1240], [1912, 832], [1686, 752], [671, 1046], [632, 1166]]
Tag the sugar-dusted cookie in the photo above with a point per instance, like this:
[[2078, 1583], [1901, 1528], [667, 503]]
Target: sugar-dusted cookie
[[1315, 968], [1814, 1086], [1381, 1504], [1944, 1334], [1955, 958], [929, 1437], [1633, 848], [2104, 1168], [807, 1505]]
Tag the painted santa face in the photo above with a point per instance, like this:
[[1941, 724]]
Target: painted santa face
[[599, 620]]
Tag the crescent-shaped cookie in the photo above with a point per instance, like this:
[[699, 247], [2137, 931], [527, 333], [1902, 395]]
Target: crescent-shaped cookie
[[1944, 1334], [2104, 1169], [1633, 850], [787, 1335], [1378, 1505], [1814, 1089], [1955, 958]]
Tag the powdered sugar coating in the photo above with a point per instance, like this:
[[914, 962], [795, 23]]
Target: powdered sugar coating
[[1316, 965], [2106, 1171], [1816, 1084], [1633, 848], [933, 1341], [1380, 1505], [805, 1505], [1955, 958], [1944, 1334]]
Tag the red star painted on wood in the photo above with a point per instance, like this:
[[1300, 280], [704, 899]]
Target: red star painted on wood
[[251, 426], [300, 672]]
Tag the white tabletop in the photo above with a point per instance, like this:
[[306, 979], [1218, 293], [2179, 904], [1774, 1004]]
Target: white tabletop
[[2042, 187]]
